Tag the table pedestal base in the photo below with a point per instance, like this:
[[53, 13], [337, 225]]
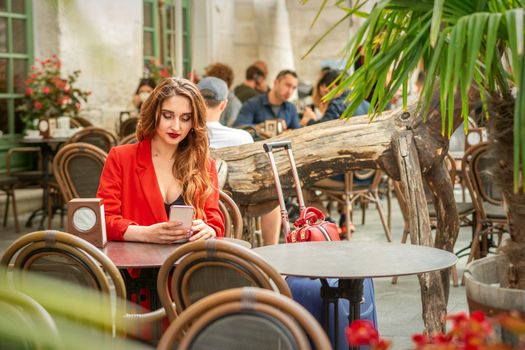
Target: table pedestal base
[[350, 289]]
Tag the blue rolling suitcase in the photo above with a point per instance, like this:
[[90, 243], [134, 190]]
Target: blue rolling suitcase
[[306, 291]]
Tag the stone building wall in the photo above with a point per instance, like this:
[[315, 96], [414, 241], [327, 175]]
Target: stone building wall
[[104, 40], [101, 38]]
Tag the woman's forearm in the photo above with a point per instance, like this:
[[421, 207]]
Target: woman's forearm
[[136, 233]]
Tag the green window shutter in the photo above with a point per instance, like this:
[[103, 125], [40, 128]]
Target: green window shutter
[[153, 32], [16, 54]]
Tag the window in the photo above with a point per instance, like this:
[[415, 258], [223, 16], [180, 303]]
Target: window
[[151, 47], [16, 43], [159, 44]]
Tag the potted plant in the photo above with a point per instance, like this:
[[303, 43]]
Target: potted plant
[[49, 94]]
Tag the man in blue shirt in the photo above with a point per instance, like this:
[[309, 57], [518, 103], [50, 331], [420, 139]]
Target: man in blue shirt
[[272, 105]]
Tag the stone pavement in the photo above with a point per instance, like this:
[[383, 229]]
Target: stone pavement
[[398, 306]]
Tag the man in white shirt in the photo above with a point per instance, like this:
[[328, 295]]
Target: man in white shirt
[[215, 93]]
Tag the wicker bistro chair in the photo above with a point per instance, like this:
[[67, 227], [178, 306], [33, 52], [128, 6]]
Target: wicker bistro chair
[[33, 178], [233, 223], [245, 318], [81, 121], [130, 139], [25, 322], [77, 168], [486, 198], [346, 193], [128, 127], [99, 137], [68, 258], [206, 267], [7, 185]]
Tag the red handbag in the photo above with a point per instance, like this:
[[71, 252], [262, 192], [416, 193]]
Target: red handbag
[[311, 226]]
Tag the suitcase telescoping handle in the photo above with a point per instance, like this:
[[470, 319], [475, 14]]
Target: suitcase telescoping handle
[[287, 145]]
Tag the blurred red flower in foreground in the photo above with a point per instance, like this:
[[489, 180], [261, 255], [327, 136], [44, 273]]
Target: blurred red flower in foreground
[[363, 333], [474, 332]]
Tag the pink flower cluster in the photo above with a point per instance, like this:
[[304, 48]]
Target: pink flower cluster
[[49, 94]]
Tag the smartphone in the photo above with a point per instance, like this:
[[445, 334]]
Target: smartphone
[[183, 214]]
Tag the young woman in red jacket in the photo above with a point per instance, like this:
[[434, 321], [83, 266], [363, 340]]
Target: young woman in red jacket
[[169, 165]]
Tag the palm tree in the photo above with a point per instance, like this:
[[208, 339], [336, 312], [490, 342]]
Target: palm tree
[[464, 45]]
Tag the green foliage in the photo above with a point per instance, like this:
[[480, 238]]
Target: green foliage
[[73, 317], [48, 94], [461, 42], [154, 69]]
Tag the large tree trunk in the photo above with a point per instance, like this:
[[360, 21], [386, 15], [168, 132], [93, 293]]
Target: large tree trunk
[[501, 138]]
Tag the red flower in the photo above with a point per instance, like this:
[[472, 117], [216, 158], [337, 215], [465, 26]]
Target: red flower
[[77, 106], [361, 332], [164, 73], [37, 105], [29, 91], [46, 90]]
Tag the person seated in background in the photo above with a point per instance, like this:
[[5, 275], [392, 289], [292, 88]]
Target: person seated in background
[[224, 72], [333, 110], [273, 104], [169, 165], [215, 93], [263, 84], [335, 107], [248, 89], [144, 89]]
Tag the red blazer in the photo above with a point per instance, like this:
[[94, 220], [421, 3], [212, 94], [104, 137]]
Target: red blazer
[[131, 193]]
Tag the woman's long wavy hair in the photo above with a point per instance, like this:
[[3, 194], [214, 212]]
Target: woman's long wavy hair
[[191, 157]]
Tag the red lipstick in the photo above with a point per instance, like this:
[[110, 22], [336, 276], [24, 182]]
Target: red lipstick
[[173, 135]]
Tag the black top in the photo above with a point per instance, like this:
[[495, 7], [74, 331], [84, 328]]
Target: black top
[[178, 201]]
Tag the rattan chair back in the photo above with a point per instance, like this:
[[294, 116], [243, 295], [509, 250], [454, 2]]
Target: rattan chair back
[[128, 127], [130, 139], [476, 166], [77, 168], [245, 317], [207, 267], [64, 257], [233, 223], [99, 137], [81, 121]]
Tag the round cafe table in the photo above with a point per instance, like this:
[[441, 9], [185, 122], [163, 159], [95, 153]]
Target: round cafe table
[[351, 262], [147, 255]]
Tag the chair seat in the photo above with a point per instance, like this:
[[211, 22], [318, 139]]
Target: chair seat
[[495, 211], [6, 180], [30, 175], [463, 209]]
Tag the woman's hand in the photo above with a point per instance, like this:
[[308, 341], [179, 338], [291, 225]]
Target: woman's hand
[[307, 116], [200, 230], [165, 232]]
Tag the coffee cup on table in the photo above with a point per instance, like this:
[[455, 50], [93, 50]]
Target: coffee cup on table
[[63, 123]]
